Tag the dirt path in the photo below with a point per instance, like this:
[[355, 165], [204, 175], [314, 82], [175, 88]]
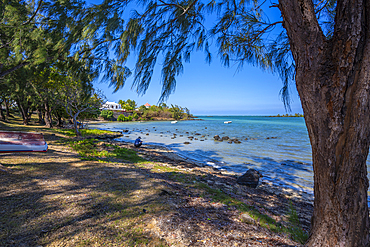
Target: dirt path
[[57, 199]]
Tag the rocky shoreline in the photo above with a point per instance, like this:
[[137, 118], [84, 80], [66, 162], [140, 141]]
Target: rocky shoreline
[[267, 186], [156, 151], [226, 182], [169, 154]]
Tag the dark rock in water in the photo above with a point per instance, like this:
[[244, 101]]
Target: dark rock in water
[[197, 134], [195, 138], [246, 139], [186, 132], [190, 137], [250, 178], [225, 138], [124, 130], [147, 134], [186, 142], [230, 142], [216, 137]]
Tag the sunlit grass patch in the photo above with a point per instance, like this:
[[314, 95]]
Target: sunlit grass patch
[[84, 132], [127, 154], [88, 149]]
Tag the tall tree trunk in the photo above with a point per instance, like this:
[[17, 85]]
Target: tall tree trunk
[[2, 116], [23, 110], [48, 119], [59, 120], [75, 125], [7, 108], [41, 117], [333, 81]]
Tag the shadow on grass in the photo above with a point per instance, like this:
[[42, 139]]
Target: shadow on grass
[[56, 198], [46, 201]]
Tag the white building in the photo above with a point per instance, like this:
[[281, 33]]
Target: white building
[[111, 106]]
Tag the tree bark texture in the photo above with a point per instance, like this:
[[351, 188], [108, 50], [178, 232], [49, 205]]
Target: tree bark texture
[[23, 109], [333, 82], [75, 125], [7, 108], [48, 119], [41, 117], [2, 116]]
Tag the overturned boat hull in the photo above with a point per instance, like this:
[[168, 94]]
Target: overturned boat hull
[[13, 141]]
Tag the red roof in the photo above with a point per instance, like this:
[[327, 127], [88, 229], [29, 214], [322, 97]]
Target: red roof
[[147, 104]]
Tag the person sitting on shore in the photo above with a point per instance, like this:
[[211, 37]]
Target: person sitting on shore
[[138, 142]]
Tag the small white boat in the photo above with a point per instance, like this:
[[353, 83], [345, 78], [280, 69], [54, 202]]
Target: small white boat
[[227, 122], [173, 122], [12, 141]]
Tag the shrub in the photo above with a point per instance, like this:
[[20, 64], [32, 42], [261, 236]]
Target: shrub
[[121, 118], [106, 114]]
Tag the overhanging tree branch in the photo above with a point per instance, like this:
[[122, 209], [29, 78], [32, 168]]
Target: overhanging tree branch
[[6, 72], [34, 14]]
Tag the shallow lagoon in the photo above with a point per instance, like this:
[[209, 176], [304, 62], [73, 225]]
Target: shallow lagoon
[[278, 147]]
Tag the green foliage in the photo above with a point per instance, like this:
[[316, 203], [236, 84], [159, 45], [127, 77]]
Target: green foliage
[[289, 115], [163, 112], [122, 118], [177, 112], [38, 32], [128, 105], [106, 114]]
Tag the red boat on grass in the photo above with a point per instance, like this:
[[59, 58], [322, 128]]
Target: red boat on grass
[[13, 141]]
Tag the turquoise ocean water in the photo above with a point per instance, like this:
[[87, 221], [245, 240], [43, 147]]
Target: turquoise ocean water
[[284, 160]]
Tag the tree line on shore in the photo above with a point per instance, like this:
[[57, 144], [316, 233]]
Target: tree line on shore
[[289, 115], [131, 112]]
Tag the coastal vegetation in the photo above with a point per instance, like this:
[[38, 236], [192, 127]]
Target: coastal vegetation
[[288, 115], [145, 113], [312, 43]]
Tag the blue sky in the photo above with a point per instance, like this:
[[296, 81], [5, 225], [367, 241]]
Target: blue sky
[[215, 90]]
